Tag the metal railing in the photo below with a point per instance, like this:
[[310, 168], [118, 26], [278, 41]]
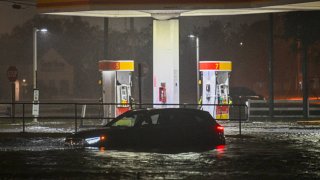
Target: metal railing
[[283, 108], [69, 117]]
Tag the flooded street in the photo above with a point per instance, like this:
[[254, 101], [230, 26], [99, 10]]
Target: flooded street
[[272, 151]]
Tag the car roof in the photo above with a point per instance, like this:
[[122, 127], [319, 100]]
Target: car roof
[[154, 110], [169, 109]]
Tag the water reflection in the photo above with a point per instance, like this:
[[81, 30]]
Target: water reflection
[[220, 150]]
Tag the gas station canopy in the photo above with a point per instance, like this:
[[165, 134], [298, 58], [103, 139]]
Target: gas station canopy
[[165, 9], [166, 40]]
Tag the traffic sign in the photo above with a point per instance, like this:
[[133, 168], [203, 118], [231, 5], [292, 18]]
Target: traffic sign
[[12, 73], [35, 110], [36, 94]]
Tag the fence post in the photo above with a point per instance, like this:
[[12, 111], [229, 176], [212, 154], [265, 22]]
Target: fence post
[[308, 102], [248, 106], [75, 118], [240, 119], [23, 120], [83, 114], [13, 101]]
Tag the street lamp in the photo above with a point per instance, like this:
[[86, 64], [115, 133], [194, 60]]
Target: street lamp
[[35, 107], [35, 66], [197, 49]]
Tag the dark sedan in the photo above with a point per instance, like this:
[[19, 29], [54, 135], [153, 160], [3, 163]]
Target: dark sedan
[[155, 129]]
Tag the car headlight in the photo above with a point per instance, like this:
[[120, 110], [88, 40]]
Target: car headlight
[[92, 140]]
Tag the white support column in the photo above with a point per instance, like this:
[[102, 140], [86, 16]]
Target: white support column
[[166, 59]]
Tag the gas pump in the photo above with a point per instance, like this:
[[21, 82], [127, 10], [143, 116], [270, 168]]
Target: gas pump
[[116, 85], [123, 95], [215, 90]]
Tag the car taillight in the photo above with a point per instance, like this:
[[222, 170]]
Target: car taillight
[[219, 128]]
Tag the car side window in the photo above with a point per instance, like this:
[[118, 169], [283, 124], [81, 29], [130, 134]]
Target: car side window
[[148, 120], [200, 119], [165, 119], [127, 121], [186, 118], [155, 118], [145, 120]]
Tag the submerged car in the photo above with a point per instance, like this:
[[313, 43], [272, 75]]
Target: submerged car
[[155, 129]]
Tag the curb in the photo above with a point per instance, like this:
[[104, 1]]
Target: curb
[[317, 122]]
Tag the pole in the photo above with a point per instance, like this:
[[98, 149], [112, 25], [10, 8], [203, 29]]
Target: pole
[[271, 59], [305, 93], [240, 120], [75, 118], [23, 120], [13, 99], [35, 30], [197, 47], [105, 56], [106, 37]]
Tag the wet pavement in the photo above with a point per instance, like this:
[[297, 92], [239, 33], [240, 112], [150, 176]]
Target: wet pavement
[[277, 150]]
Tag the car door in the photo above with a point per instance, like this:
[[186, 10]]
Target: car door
[[156, 130], [188, 129], [148, 129], [123, 133], [168, 129]]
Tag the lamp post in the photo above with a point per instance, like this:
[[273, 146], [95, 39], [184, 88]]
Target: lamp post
[[197, 50], [35, 106], [35, 66]]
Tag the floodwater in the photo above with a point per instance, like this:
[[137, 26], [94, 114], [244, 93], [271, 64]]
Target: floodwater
[[272, 151]]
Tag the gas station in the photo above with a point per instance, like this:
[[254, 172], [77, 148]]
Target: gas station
[[280, 148], [165, 14]]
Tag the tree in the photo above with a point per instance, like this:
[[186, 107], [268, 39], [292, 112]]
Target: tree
[[303, 28], [135, 44], [79, 43], [245, 45]]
